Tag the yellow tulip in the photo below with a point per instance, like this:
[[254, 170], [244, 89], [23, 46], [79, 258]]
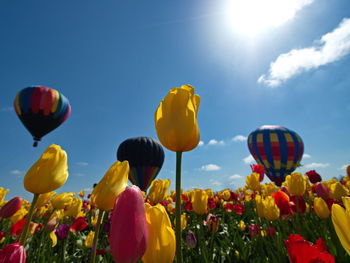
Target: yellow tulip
[[111, 185], [241, 225], [74, 208], [337, 191], [341, 223], [18, 215], [210, 193], [81, 193], [271, 210], [43, 199], [253, 181], [321, 208], [225, 194], [3, 193], [49, 172], [176, 119], [89, 239], [62, 200], [296, 184], [161, 236], [200, 201], [259, 206], [53, 238], [268, 188], [158, 190]]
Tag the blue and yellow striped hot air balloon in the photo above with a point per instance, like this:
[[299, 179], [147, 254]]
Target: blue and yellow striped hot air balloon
[[41, 110], [278, 149]]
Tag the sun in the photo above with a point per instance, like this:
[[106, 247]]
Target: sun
[[251, 17]]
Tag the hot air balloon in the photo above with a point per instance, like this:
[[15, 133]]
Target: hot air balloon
[[41, 110], [145, 157], [278, 149]]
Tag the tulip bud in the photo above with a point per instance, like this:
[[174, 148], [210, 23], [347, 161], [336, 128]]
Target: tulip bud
[[111, 185], [191, 240], [313, 176], [48, 173], [176, 119], [296, 184], [62, 232], [13, 253], [11, 207], [200, 201], [253, 181], [128, 220], [212, 223], [321, 208], [321, 190]]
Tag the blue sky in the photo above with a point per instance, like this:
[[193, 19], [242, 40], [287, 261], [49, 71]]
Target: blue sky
[[116, 60]]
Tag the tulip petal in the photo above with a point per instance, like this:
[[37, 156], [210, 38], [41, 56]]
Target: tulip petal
[[341, 223]]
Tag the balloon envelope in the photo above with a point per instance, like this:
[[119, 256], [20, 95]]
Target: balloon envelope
[[41, 110], [145, 157], [278, 149]]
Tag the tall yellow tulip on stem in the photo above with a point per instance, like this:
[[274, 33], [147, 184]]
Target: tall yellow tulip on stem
[[47, 174], [178, 131], [105, 193]]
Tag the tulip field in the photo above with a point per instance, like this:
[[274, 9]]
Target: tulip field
[[296, 217], [257, 223]]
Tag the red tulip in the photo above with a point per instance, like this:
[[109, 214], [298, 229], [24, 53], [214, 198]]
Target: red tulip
[[11, 207], [313, 176], [301, 206], [128, 236], [301, 251], [321, 190], [78, 224], [282, 201], [254, 230], [258, 168], [13, 253], [16, 228]]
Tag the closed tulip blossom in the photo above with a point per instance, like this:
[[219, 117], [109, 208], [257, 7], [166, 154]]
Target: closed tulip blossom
[[62, 200], [191, 240], [271, 210], [111, 185], [200, 201], [296, 184], [283, 202], [158, 190], [321, 208], [13, 253], [253, 182], [212, 223], [176, 119], [62, 232], [313, 176], [11, 207], [341, 222], [161, 236], [321, 190], [48, 173], [258, 168], [78, 224], [128, 234], [74, 209]]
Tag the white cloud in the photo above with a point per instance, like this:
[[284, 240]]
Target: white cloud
[[16, 172], [201, 143], [215, 142], [316, 165], [343, 167], [235, 177], [210, 167], [239, 138], [330, 48], [215, 182], [306, 156], [82, 163], [249, 159]]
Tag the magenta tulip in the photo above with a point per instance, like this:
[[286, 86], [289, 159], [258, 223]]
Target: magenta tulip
[[13, 253], [128, 236], [11, 207], [321, 190]]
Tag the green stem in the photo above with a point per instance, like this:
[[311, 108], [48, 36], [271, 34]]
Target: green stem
[[24, 234], [97, 231], [178, 208]]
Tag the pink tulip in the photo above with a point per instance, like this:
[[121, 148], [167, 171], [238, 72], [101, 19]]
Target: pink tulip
[[321, 190], [128, 236], [13, 253], [11, 207]]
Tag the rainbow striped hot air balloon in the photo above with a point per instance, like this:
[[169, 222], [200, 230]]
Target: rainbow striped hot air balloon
[[41, 110], [278, 149]]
